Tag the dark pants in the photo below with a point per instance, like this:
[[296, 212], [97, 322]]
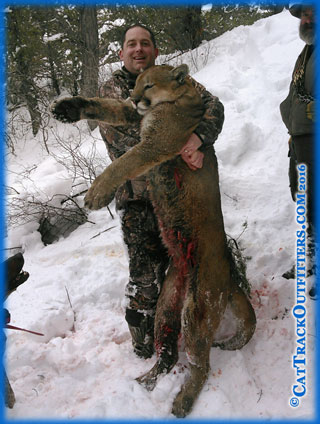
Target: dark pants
[[148, 259], [302, 151]]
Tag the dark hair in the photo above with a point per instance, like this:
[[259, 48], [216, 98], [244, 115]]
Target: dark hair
[[124, 33]]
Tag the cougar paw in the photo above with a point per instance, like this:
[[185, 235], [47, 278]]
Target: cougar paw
[[182, 405], [98, 196], [147, 381], [68, 110], [96, 201]]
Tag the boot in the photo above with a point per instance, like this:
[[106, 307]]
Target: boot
[[313, 293], [290, 274], [141, 328], [313, 251]]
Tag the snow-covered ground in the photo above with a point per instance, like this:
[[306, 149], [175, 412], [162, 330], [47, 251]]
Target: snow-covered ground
[[84, 366]]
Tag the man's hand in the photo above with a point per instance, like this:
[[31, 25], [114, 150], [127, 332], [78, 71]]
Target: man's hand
[[310, 111], [190, 153]]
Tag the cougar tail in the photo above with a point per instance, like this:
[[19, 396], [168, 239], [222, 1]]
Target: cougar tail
[[246, 321]]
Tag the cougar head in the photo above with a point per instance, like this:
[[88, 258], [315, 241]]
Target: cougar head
[[158, 84]]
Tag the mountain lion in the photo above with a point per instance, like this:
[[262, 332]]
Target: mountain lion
[[198, 284]]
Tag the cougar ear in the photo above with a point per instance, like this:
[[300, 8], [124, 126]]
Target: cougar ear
[[180, 72]]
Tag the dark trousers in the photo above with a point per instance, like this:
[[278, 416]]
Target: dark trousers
[[302, 151], [148, 260]]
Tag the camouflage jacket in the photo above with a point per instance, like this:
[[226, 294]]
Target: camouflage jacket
[[121, 138], [294, 109]]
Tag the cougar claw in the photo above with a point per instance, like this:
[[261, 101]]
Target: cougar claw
[[148, 382]]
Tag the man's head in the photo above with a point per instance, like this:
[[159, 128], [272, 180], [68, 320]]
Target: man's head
[[139, 49], [307, 27]]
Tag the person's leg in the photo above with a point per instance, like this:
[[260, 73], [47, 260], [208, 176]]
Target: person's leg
[[148, 261], [293, 175], [303, 147]]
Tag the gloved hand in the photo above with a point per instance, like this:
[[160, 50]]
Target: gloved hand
[[310, 111]]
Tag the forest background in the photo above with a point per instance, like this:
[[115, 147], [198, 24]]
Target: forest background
[[70, 50]]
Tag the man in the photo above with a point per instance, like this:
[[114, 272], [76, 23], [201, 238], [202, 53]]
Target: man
[[148, 258], [297, 112]]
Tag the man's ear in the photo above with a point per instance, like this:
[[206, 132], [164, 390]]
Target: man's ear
[[180, 72], [121, 54]]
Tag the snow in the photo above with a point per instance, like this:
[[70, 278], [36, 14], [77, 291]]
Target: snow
[[84, 366]]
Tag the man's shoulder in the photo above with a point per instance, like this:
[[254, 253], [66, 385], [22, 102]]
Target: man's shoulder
[[206, 95], [116, 86], [195, 83]]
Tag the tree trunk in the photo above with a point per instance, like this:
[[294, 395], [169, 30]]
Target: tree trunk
[[185, 27], [26, 87], [90, 54], [192, 26], [54, 79]]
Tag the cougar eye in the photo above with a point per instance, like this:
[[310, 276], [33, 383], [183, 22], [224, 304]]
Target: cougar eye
[[147, 86]]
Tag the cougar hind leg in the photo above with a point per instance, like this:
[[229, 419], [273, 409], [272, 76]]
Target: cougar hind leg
[[245, 320], [200, 321], [167, 328]]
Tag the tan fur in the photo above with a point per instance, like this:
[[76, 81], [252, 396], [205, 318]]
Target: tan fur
[[198, 284]]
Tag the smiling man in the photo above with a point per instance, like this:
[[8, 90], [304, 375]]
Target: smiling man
[[148, 258], [138, 51]]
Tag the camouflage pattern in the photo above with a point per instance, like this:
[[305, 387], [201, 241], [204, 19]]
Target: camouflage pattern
[[148, 258], [294, 109], [148, 261]]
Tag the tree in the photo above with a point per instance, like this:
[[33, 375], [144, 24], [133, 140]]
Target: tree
[[23, 62], [89, 51], [90, 54], [184, 28]]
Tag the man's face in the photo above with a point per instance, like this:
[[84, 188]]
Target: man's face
[[138, 51], [306, 29]]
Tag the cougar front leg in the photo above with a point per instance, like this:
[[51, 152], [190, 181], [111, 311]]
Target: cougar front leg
[[154, 148], [167, 329], [102, 190], [112, 111], [128, 166], [137, 161]]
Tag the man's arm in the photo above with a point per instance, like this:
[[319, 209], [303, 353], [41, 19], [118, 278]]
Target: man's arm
[[117, 139], [207, 131], [211, 125]]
